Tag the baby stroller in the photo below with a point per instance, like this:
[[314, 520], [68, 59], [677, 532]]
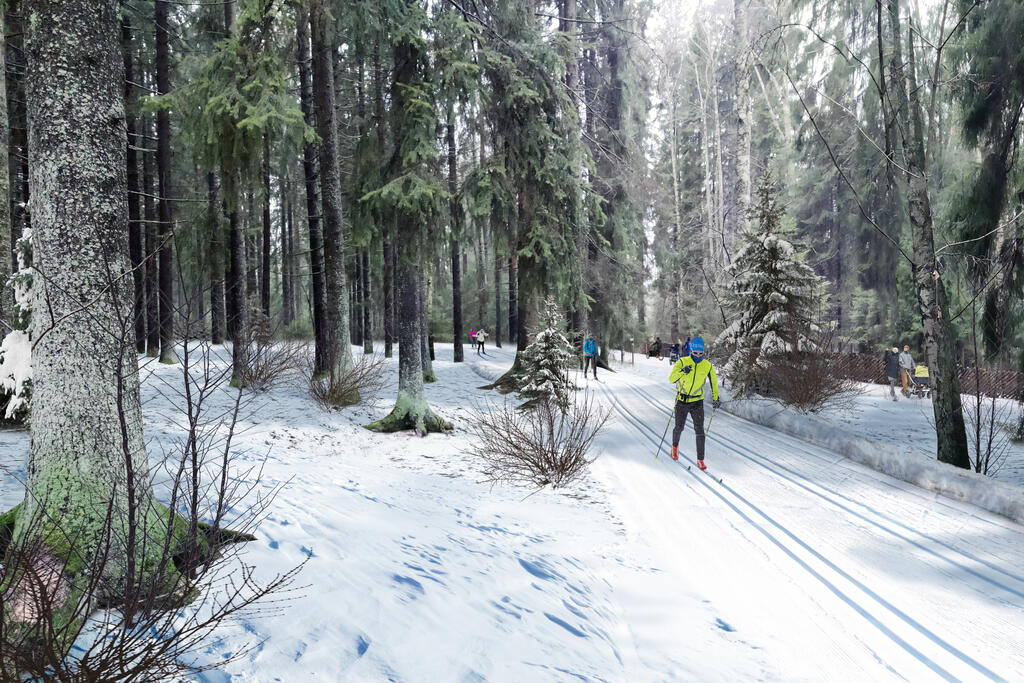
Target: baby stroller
[[920, 382], [673, 353]]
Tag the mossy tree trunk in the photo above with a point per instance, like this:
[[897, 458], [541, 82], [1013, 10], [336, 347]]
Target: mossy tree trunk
[[87, 459], [411, 410]]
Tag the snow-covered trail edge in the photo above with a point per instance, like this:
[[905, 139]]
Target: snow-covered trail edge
[[963, 485]]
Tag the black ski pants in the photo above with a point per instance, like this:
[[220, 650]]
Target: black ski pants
[[696, 409], [587, 362]]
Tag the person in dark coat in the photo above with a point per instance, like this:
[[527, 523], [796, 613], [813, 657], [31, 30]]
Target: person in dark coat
[[892, 369]]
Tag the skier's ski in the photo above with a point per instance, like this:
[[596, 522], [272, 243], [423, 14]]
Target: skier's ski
[[707, 472]]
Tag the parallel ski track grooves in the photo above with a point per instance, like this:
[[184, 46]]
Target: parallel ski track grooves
[[653, 437], [760, 460], [806, 447]]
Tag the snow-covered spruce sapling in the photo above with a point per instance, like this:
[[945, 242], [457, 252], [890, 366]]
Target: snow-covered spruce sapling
[[773, 295], [546, 363]]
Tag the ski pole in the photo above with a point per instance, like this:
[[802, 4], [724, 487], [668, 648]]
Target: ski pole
[[665, 433], [710, 420]]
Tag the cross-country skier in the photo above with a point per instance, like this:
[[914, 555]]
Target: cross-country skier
[[481, 337], [689, 375], [590, 355]]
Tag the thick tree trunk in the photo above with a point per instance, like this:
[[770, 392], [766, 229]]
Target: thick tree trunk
[[135, 225], [316, 263], [454, 242], [411, 410], [939, 336], [337, 307], [163, 163], [87, 457], [216, 234]]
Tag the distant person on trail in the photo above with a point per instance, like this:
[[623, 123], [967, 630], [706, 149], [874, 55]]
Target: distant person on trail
[[675, 351], [481, 336], [689, 375], [655, 348], [892, 369], [906, 369], [590, 355]]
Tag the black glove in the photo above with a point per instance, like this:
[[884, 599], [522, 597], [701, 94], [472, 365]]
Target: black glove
[[686, 370], [716, 404]]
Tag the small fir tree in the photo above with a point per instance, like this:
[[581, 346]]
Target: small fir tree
[[773, 292], [546, 362]]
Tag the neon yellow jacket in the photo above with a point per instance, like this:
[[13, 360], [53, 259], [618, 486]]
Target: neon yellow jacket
[[691, 388]]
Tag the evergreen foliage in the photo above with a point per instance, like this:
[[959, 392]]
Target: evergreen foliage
[[774, 295], [546, 362]]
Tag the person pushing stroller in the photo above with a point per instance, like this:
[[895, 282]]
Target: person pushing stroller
[[689, 374]]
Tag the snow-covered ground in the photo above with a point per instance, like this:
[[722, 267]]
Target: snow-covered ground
[[798, 565]]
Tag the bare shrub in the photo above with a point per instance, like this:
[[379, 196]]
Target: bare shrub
[[542, 446], [330, 391], [990, 425], [268, 361], [807, 379]]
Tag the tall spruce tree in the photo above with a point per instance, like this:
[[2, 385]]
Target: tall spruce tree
[[413, 195], [774, 295]]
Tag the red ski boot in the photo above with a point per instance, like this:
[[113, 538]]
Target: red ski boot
[[701, 465], [675, 452]]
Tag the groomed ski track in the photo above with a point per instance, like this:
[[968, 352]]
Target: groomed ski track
[[800, 564]]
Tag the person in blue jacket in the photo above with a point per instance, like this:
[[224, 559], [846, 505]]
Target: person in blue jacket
[[590, 354]]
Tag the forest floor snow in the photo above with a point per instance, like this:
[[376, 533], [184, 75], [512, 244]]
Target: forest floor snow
[[799, 565]]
